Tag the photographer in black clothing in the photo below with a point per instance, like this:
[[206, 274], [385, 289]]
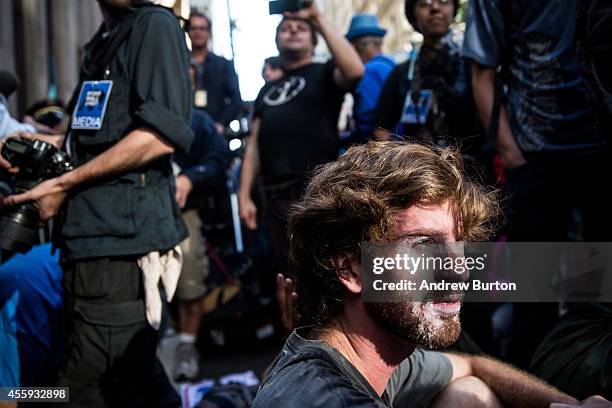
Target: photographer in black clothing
[[428, 96], [118, 212]]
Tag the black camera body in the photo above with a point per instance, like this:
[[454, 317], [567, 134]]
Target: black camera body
[[37, 162], [281, 6]]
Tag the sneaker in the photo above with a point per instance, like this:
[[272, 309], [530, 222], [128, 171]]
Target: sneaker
[[186, 366]]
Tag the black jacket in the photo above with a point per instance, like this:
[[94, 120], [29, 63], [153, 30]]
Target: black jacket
[[134, 212], [206, 162], [218, 77]]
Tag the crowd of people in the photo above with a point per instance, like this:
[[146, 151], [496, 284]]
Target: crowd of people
[[497, 133]]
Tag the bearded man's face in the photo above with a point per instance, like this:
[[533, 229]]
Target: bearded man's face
[[430, 324], [433, 324]]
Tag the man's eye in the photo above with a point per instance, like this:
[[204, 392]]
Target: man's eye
[[419, 241], [426, 241]]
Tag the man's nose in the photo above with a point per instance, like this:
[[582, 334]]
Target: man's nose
[[459, 272]]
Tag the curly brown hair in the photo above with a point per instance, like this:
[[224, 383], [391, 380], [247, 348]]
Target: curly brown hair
[[356, 200]]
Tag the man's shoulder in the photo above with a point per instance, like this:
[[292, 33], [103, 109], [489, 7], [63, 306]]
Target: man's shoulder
[[203, 127], [379, 65], [310, 380], [381, 61], [309, 374], [218, 59], [201, 119], [155, 13], [156, 19]]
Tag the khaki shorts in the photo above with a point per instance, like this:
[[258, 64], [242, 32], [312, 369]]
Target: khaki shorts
[[196, 265]]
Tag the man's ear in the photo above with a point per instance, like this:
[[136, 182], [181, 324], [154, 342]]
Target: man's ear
[[349, 271]]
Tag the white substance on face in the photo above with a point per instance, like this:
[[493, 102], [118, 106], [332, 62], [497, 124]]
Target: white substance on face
[[431, 325]]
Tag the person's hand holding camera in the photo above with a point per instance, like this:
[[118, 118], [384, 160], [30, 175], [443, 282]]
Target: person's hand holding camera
[[47, 197], [56, 140], [4, 164], [310, 13]]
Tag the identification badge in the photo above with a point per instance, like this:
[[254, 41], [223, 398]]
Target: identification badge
[[91, 105], [200, 98], [417, 113]]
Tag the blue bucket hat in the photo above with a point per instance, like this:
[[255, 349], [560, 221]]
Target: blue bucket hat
[[364, 24]]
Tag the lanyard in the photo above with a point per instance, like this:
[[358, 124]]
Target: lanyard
[[412, 57]]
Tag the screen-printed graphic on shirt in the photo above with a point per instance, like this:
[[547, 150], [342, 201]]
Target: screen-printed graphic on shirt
[[284, 91]]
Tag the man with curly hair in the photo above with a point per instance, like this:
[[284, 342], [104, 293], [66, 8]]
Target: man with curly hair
[[366, 354]]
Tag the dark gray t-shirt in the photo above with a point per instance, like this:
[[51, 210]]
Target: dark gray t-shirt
[[549, 111], [311, 373]]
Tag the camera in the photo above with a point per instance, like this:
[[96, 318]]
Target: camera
[[37, 162], [280, 6]]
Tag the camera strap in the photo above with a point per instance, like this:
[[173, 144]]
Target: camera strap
[[93, 67]]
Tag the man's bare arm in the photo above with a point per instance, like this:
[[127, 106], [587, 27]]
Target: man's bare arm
[[136, 149], [250, 170], [513, 387], [483, 85], [349, 68]]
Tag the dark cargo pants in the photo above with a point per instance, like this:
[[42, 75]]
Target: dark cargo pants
[[110, 347]]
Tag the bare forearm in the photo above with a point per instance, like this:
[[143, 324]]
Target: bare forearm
[[136, 149], [483, 85], [345, 57], [515, 388], [250, 169]]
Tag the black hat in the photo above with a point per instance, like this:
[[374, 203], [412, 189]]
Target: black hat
[[8, 83], [409, 11]]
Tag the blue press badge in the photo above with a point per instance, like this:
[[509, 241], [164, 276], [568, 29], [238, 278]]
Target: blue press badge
[[409, 112], [91, 105]]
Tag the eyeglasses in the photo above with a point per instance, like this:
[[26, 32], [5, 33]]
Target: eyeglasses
[[430, 2]]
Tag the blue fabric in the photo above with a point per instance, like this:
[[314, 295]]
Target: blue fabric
[[366, 96], [36, 278], [547, 102], [364, 24], [207, 159], [9, 357]]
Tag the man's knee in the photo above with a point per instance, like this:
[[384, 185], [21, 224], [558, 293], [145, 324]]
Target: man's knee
[[469, 392]]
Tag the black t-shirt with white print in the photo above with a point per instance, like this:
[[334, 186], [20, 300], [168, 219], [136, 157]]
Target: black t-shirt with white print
[[299, 116]]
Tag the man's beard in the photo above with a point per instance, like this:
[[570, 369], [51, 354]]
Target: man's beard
[[417, 322]]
